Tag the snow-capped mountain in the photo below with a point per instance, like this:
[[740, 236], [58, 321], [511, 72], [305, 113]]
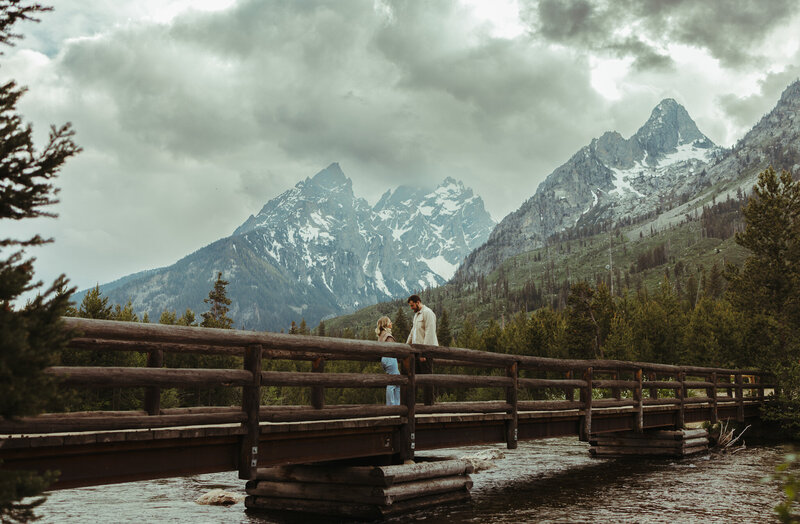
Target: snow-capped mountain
[[317, 250], [610, 179]]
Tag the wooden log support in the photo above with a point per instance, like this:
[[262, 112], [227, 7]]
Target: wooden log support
[[639, 407], [251, 402], [511, 399], [586, 400], [408, 395], [650, 443], [712, 392], [359, 491], [739, 398], [368, 475], [152, 395], [760, 381], [680, 394], [318, 392], [651, 377]]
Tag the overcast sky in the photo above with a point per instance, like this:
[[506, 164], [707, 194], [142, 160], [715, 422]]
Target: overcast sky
[[193, 114]]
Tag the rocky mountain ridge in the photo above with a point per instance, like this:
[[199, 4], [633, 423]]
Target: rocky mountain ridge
[[317, 250], [611, 178]]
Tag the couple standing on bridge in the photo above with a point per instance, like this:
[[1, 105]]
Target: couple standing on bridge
[[423, 331]]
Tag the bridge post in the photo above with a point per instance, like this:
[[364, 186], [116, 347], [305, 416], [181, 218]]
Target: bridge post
[[680, 394], [653, 391], [318, 392], [616, 392], [512, 372], [251, 402], [152, 395], [712, 393], [637, 397], [586, 398], [429, 391], [739, 398], [407, 432], [569, 393]]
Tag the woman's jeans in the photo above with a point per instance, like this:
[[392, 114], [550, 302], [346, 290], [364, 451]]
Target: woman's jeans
[[392, 392]]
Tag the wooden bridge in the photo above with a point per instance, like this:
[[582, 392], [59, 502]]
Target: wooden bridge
[[90, 448]]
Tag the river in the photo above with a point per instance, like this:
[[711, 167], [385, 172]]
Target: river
[[550, 480]]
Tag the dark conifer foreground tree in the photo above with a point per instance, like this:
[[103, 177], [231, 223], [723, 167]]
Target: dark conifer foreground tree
[[30, 336]]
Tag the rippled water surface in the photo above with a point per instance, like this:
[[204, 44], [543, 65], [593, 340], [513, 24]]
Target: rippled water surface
[[551, 480]]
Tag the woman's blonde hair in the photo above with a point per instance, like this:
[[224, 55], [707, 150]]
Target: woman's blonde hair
[[383, 322]]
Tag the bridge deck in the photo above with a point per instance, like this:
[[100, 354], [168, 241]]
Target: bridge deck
[[104, 457]]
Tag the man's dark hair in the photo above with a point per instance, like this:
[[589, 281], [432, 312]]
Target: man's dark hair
[[414, 298]]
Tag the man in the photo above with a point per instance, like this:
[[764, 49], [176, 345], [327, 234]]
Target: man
[[423, 328]]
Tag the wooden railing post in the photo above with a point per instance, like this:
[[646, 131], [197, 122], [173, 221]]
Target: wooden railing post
[[428, 392], [512, 372], [739, 398], [653, 391], [408, 394], [318, 392], [680, 394], [637, 397], [761, 396], [569, 393], [616, 392], [152, 395], [586, 398], [251, 402], [712, 393]]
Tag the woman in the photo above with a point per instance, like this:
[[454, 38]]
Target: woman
[[384, 332]]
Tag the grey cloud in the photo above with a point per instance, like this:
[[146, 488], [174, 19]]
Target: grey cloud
[[747, 110], [727, 29], [228, 109]]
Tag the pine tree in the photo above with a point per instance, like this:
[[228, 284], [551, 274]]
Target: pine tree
[[443, 333], [94, 305], [188, 318], [168, 317], [217, 316], [321, 329], [400, 326], [31, 336]]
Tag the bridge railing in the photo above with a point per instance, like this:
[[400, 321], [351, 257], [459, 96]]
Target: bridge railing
[[525, 383]]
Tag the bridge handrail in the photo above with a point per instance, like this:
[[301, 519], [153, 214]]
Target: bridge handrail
[[155, 340]]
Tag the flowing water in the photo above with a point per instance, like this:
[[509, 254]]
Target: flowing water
[[550, 480]]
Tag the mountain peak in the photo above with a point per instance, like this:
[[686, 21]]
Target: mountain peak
[[668, 127], [331, 177], [791, 93]]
